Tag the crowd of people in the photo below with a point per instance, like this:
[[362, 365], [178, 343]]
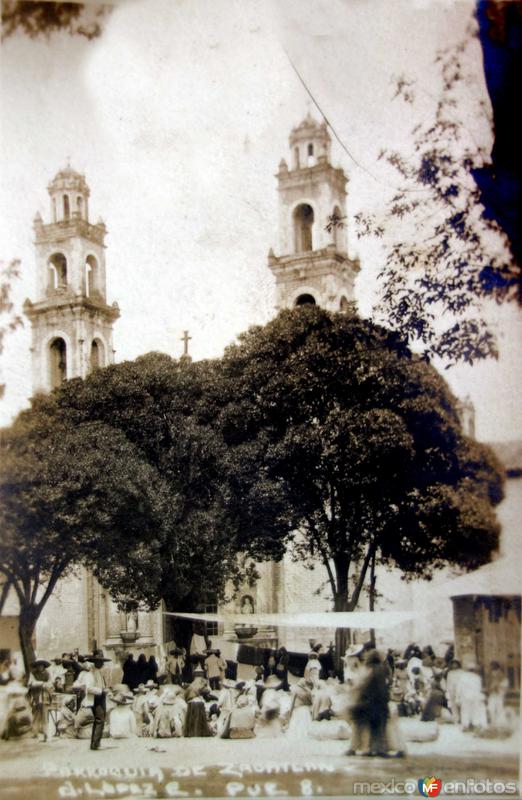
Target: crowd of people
[[193, 695]]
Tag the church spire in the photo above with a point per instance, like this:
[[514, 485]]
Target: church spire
[[313, 265], [70, 319]]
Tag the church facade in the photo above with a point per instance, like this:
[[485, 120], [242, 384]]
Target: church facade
[[72, 326]]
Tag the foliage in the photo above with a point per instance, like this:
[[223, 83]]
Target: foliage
[[361, 443], [35, 19], [166, 409], [9, 319], [72, 495], [444, 254]]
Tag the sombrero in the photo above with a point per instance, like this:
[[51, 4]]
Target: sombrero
[[272, 682], [98, 655], [40, 662], [122, 698]]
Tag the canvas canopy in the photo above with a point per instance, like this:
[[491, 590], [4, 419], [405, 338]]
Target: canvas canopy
[[328, 619]]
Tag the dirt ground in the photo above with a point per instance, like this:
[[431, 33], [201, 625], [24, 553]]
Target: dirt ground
[[67, 768]]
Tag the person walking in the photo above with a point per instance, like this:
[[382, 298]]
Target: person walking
[[94, 700], [371, 707]]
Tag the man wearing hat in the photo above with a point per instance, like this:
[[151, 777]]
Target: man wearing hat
[[94, 700], [169, 716], [122, 722], [176, 665]]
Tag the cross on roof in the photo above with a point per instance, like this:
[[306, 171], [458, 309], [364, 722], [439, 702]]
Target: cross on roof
[[185, 339]]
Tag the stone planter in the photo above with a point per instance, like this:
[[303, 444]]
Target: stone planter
[[245, 631], [129, 636]]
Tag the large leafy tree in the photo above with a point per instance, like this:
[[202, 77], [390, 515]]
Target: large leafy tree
[[361, 443], [74, 495], [167, 410]]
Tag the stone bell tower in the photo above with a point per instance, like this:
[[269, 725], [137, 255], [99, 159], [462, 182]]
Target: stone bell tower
[[70, 319], [313, 266]]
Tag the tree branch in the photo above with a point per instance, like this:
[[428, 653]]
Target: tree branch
[[35, 585], [4, 593], [324, 555], [54, 577], [357, 591]]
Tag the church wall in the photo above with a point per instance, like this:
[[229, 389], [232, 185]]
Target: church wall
[[63, 625]]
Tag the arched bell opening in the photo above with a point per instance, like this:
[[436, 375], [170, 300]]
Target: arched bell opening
[[303, 228]]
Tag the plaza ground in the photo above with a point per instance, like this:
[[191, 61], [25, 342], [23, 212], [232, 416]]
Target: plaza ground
[[277, 767]]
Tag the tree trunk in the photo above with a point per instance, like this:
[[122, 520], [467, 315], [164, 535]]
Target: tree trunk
[[373, 581], [343, 636], [26, 627]]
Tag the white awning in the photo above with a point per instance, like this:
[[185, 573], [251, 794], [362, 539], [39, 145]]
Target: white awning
[[329, 619]]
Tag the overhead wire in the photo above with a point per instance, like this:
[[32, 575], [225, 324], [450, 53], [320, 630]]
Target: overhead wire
[[338, 138]]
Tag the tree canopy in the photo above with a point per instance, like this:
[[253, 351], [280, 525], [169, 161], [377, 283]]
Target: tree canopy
[[70, 496], [37, 18], [361, 443], [166, 410], [167, 478]]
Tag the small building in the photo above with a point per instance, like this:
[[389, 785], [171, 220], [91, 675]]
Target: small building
[[486, 615]]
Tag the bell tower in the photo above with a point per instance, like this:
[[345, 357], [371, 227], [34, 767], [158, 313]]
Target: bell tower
[[313, 266], [70, 319]]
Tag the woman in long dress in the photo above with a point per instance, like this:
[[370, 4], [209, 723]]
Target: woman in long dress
[[300, 717], [281, 667], [312, 670], [497, 690], [40, 687], [196, 723]]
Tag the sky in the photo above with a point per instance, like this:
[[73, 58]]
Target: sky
[[178, 116]]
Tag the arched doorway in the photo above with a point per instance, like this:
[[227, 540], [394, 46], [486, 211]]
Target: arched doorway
[[97, 358], [305, 300], [57, 362]]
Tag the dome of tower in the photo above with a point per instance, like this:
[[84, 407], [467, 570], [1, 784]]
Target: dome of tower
[[310, 143], [69, 178], [309, 128]]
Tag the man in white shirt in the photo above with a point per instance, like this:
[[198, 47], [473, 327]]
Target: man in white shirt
[[93, 682]]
